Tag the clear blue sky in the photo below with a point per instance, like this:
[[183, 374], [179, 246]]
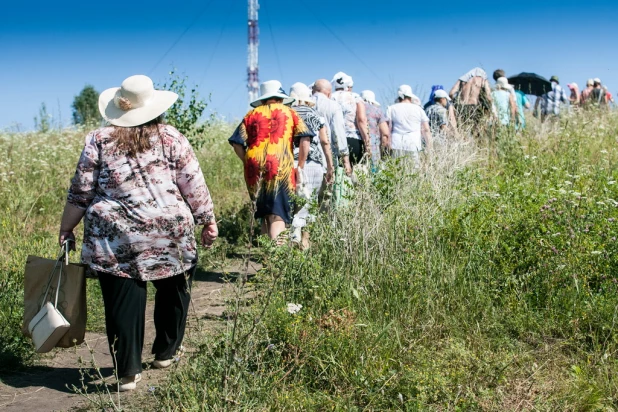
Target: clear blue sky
[[50, 50]]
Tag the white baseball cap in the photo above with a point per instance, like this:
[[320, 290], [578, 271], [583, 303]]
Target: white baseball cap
[[441, 94], [405, 91]]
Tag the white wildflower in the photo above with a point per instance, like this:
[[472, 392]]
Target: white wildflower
[[294, 308], [611, 182], [527, 174], [596, 252]]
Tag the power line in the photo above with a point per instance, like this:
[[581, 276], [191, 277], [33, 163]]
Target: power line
[[344, 44], [270, 28], [214, 50], [197, 17]]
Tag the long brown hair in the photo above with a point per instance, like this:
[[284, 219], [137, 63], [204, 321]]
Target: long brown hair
[[134, 140]]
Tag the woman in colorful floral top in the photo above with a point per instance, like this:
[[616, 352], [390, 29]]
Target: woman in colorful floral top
[[140, 190], [264, 142]]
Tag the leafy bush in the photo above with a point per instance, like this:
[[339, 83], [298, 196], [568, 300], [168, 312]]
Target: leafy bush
[[187, 113]]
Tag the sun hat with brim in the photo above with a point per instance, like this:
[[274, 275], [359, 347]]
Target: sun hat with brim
[[270, 89], [572, 86], [370, 97], [554, 79], [135, 102], [441, 94], [302, 93], [342, 81]]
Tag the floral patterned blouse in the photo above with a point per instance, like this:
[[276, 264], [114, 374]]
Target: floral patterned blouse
[[348, 101], [141, 211]]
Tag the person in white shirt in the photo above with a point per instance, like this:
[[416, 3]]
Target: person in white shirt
[[409, 124]]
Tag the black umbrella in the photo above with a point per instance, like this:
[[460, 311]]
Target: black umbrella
[[530, 83]]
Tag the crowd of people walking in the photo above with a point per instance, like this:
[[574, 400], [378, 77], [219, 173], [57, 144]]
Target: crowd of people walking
[[309, 142], [139, 188]]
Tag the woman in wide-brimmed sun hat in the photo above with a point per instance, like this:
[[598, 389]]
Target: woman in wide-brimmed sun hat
[[140, 190], [264, 142]]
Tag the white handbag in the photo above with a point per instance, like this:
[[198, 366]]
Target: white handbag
[[49, 326]]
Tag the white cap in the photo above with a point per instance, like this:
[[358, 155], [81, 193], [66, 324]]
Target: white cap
[[597, 80], [590, 82], [369, 97], [404, 91], [441, 94]]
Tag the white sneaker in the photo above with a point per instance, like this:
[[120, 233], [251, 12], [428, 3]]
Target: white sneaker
[[295, 234], [129, 383], [162, 364]]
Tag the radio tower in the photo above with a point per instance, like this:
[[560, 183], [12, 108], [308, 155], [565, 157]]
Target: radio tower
[[253, 82]]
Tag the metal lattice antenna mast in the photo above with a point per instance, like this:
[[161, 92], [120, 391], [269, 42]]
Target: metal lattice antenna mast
[[253, 81]]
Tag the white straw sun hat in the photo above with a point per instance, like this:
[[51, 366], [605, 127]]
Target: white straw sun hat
[[369, 97], [271, 88], [135, 102]]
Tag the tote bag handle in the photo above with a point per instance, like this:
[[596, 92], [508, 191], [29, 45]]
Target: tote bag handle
[[64, 254]]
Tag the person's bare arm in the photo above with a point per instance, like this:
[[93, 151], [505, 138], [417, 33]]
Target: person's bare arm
[[303, 151], [240, 152], [426, 131], [452, 122], [455, 89], [513, 107], [325, 142], [363, 126], [385, 134], [488, 91], [70, 219]]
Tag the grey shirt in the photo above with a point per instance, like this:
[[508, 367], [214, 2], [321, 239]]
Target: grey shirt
[[332, 113]]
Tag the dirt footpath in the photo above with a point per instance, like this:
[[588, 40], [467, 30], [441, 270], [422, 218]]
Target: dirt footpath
[[44, 387]]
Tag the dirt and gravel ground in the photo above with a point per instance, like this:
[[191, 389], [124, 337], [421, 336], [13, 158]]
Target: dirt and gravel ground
[[46, 386]]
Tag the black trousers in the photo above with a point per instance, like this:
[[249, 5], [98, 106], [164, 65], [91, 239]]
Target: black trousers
[[357, 149], [125, 318]]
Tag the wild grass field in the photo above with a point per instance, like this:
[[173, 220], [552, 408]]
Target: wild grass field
[[486, 279]]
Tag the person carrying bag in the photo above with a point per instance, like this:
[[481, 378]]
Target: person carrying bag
[[140, 191], [54, 302]]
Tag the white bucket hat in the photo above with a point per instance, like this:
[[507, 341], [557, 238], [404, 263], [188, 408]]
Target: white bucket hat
[[271, 88], [370, 97], [405, 91], [301, 93], [135, 102], [342, 81]]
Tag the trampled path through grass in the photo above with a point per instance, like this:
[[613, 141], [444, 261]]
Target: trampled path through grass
[[45, 387]]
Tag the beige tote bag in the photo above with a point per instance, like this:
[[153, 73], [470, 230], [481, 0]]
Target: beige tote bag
[[71, 294]]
